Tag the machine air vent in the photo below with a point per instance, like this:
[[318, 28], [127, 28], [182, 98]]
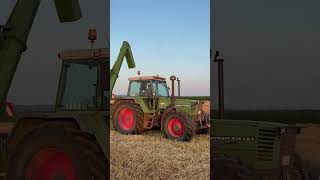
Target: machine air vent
[[266, 139]]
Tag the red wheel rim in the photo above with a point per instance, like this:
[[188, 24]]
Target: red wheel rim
[[175, 127], [50, 164], [126, 119]]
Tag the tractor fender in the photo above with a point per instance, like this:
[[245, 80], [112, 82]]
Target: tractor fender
[[137, 101], [27, 124], [117, 102]]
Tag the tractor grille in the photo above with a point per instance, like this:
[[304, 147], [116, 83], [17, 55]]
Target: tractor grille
[[265, 146]]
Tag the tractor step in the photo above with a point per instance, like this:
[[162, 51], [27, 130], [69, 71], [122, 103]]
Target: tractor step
[[148, 121]]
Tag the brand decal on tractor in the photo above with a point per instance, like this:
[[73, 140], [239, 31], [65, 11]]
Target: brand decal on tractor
[[234, 138]]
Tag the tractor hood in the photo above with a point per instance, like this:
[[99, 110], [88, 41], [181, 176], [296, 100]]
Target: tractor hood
[[187, 105]]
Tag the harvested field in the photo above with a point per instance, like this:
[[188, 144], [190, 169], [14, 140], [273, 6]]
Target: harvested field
[[151, 156]]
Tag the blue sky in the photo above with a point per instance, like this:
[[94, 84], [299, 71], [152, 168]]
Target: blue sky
[[167, 37]]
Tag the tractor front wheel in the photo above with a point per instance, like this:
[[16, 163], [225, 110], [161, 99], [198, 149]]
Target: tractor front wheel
[[127, 118], [58, 153], [178, 126]]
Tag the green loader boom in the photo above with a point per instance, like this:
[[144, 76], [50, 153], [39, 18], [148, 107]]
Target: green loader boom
[[125, 52]]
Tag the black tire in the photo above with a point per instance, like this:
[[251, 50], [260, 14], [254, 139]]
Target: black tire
[[137, 127], [225, 168], [188, 124], [296, 170], [81, 149]]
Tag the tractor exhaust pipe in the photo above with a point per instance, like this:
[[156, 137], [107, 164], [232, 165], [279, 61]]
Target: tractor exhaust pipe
[[178, 87], [92, 37], [220, 84], [172, 78]]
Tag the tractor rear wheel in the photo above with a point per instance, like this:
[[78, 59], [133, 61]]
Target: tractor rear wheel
[[178, 126], [231, 169], [58, 153], [127, 118]]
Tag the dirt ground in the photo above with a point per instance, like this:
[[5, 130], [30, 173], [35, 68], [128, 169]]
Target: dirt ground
[[308, 147]]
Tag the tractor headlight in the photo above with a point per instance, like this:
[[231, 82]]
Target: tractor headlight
[[285, 160]]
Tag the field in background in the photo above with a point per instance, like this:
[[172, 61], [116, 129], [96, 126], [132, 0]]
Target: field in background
[[284, 116], [203, 98]]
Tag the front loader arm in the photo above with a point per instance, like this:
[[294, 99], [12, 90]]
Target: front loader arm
[[14, 35], [125, 52]]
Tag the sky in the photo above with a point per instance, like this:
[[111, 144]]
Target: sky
[[37, 76], [271, 48], [271, 52], [167, 37]]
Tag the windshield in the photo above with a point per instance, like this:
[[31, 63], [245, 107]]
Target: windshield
[[134, 89], [79, 86], [160, 88]]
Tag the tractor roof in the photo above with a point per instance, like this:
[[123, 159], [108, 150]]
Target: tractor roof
[[83, 54], [147, 78]]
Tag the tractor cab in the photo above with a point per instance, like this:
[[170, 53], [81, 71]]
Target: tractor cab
[[149, 88], [148, 104], [83, 84]]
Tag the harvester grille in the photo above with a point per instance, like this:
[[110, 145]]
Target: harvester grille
[[265, 146]]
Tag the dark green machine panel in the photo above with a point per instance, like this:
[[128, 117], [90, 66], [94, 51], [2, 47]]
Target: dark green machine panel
[[255, 143]]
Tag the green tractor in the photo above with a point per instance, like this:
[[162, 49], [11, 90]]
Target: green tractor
[[255, 150], [72, 141], [148, 105]]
